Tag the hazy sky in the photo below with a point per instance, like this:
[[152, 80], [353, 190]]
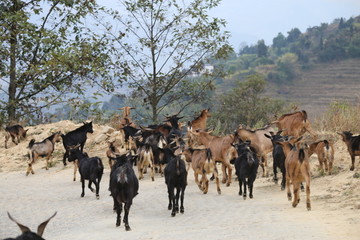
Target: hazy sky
[[252, 20]]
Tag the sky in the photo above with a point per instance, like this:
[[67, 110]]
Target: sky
[[251, 20]]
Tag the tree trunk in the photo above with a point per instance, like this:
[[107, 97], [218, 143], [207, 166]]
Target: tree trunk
[[11, 108]]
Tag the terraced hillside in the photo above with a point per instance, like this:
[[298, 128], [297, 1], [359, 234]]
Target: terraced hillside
[[324, 83]]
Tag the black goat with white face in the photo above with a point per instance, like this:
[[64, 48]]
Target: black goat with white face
[[246, 166]]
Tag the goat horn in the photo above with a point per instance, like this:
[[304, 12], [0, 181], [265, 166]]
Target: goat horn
[[22, 227]]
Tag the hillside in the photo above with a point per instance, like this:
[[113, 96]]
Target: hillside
[[314, 89]]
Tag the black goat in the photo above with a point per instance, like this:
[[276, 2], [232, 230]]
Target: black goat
[[353, 146], [246, 166], [75, 137], [89, 168], [176, 178], [27, 234], [278, 158], [15, 132], [123, 186]]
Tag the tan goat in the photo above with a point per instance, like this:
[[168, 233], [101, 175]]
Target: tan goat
[[221, 149], [202, 163], [325, 152], [295, 124], [297, 169]]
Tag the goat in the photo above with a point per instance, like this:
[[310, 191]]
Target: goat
[[176, 178], [145, 160], [200, 121], [221, 149], [111, 153], [126, 120], [90, 169], [246, 166], [42, 149], [75, 137], [258, 141], [27, 234], [297, 169], [203, 163], [294, 124], [278, 158], [123, 186], [353, 146], [325, 152], [15, 132]]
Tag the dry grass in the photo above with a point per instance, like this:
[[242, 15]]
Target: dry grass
[[340, 116]]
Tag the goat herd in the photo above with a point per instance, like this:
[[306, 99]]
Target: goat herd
[[166, 149]]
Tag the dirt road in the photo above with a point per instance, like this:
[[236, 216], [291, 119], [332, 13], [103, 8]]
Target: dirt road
[[268, 216]]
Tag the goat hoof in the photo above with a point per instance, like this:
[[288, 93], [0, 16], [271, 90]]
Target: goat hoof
[[251, 196], [97, 197], [117, 224], [82, 195], [182, 210], [294, 205], [173, 214], [27, 173], [127, 228], [352, 168], [169, 207], [152, 179], [228, 184], [244, 197]]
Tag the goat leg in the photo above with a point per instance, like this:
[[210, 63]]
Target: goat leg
[[83, 187], [126, 216], [182, 200], [352, 163]]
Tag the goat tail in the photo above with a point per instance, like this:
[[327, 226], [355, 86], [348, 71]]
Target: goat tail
[[178, 166], [304, 115], [31, 143], [301, 155], [208, 154], [327, 146]]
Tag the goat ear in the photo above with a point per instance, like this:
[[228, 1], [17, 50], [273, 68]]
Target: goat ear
[[22, 227], [42, 226]]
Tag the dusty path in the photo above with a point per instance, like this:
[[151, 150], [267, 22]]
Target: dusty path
[[269, 215]]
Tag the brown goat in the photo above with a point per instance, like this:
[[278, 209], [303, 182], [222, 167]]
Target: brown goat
[[353, 146], [203, 163], [15, 132], [325, 152], [111, 153], [42, 149], [221, 149], [126, 120], [259, 142], [145, 160], [200, 121], [297, 169], [295, 124]]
